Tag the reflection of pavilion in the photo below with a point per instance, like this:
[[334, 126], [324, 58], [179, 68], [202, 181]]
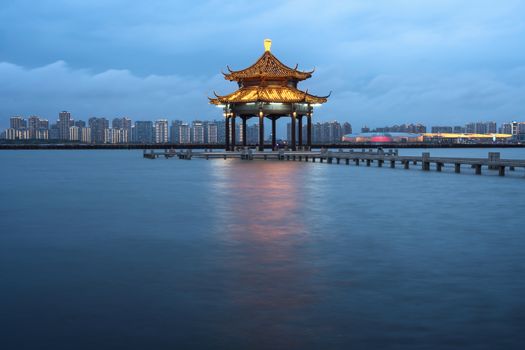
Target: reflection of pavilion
[[268, 88]]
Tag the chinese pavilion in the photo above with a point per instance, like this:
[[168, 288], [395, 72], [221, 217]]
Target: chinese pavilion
[[268, 89]]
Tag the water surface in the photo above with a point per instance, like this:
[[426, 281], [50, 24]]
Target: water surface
[[106, 250]]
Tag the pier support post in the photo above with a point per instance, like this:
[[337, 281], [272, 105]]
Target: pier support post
[[425, 163], [407, 164], [293, 128], [368, 162], [309, 130], [243, 131], [493, 158], [320, 159], [356, 161], [502, 170], [347, 161], [300, 130], [261, 131], [338, 160], [478, 169], [227, 127], [313, 159], [274, 131], [439, 166], [233, 132], [457, 168], [392, 163], [379, 163]]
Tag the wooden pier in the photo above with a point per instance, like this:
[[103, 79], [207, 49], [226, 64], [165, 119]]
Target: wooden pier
[[366, 157]]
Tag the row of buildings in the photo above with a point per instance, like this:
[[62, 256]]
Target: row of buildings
[[124, 130], [323, 133], [490, 127], [119, 130]]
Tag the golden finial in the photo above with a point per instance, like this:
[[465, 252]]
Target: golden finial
[[267, 44]]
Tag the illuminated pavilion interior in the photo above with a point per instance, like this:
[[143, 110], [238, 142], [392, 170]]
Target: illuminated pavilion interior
[[268, 89]]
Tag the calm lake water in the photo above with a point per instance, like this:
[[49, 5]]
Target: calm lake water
[[107, 250]]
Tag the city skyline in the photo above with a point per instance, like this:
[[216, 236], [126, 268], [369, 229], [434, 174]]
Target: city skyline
[[100, 130], [390, 62]]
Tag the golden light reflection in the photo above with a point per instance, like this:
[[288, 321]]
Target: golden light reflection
[[261, 219], [264, 198]]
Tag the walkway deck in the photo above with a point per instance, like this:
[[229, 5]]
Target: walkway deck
[[379, 157]]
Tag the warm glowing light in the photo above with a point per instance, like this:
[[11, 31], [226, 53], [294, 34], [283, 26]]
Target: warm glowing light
[[267, 44], [272, 94], [466, 136]]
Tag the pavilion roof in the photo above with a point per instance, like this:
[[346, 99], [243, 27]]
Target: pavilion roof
[[271, 93], [267, 67]]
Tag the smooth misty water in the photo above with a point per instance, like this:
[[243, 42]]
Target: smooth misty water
[[106, 250]]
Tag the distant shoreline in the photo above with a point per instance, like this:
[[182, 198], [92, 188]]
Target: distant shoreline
[[221, 147]]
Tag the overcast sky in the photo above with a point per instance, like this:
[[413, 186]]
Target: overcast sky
[[387, 61]]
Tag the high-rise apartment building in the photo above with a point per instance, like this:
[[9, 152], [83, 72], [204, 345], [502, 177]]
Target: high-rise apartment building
[[74, 133], [175, 132], [212, 133], [63, 124], [441, 129], [459, 130], [491, 127], [221, 131], [347, 128], [505, 128], [143, 132], [184, 133], [98, 128], [197, 132], [161, 131], [328, 132], [124, 125], [252, 134], [85, 134], [17, 123], [33, 125]]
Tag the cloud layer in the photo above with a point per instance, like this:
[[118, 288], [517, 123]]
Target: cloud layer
[[437, 62]]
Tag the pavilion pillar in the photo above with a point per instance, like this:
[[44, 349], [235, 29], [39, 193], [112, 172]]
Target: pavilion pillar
[[309, 130], [227, 131], [274, 138], [293, 127], [233, 132], [300, 130], [244, 131], [261, 131]]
